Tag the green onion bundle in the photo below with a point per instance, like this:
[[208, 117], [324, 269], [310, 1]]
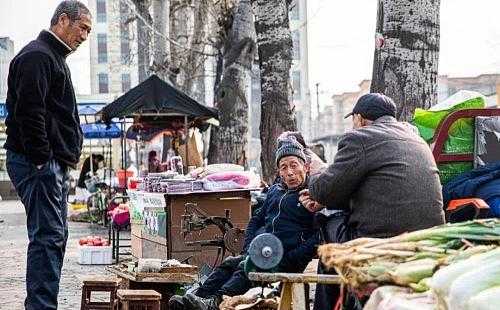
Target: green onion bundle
[[411, 258]]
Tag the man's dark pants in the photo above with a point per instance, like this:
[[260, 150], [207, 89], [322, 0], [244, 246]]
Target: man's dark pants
[[228, 278], [334, 229], [43, 193]]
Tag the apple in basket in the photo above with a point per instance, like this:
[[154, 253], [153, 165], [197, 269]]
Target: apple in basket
[[93, 241]]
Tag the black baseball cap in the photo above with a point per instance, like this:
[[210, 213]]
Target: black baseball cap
[[374, 105]]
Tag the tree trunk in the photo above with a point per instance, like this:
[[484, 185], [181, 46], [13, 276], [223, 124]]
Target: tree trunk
[[194, 67], [405, 65], [143, 38], [229, 141], [181, 30], [275, 57], [161, 53]]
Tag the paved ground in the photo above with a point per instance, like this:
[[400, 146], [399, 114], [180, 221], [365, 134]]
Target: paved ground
[[13, 244]]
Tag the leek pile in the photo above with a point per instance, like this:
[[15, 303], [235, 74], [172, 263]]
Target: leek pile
[[409, 259]]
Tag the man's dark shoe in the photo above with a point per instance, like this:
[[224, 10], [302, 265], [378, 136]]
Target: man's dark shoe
[[193, 302], [176, 302]]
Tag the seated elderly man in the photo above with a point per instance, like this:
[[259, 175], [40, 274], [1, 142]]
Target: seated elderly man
[[282, 215], [384, 176]]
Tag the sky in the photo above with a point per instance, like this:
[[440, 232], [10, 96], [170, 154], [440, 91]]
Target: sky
[[340, 40]]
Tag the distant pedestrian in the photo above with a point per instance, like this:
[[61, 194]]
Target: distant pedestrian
[[44, 140]]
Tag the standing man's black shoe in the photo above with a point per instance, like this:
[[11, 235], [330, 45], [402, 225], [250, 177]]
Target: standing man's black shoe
[[193, 302]]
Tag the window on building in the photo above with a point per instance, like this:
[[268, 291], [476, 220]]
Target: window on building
[[126, 82], [296, 85], [295, 11], [296, 44], [103, 83], [101, 11], [125, 49], [102, 48]]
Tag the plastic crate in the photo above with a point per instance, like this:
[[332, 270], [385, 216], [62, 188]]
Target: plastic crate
[[95, 255]]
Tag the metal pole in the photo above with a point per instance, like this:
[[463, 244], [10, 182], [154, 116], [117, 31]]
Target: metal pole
[[91, 159], [317, 108], [110, 160], [187, 140], [122, 125]]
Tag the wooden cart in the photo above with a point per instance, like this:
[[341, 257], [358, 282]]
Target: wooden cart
[[162, 236]]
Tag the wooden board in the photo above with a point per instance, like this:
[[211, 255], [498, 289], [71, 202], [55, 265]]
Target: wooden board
[[151, 249], [138, 295], [136, 229], [180, 269], [294, 277], [153, 277], [136, 246]]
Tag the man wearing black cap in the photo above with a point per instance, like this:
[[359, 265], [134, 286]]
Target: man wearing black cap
[[282, 215], [383, 175]]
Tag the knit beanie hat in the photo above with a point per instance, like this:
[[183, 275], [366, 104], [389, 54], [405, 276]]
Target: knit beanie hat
[[289, 147]]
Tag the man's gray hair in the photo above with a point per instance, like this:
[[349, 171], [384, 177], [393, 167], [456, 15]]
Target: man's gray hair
[[74, 9]]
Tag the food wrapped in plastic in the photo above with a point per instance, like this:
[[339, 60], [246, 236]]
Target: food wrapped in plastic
[[231, 180]]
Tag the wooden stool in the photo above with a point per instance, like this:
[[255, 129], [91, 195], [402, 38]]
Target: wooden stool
[[139, 299], [99, 284], [295, 290]]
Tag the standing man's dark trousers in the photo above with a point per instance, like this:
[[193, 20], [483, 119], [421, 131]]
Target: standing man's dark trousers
[[43, 193], [228, 278]]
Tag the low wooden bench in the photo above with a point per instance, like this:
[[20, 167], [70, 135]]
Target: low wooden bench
[[139, 299], [99, 284], [295, 286]]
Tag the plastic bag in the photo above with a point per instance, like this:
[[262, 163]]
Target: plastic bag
[[461, 133], [399, 298], [231, 180]]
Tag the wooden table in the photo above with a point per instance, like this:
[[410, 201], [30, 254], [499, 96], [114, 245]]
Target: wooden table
[[167, 284], [295, 286]]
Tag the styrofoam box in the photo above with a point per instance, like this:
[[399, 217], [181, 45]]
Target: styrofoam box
[[94, 255]]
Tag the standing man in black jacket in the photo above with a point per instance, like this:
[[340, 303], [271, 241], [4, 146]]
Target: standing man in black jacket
[[44, 140]]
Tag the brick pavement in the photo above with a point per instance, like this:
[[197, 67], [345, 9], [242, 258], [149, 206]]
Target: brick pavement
[[13, 244]]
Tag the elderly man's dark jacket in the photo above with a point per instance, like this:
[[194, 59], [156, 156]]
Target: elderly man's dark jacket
[[385, 175], [42, 121], [284, 216]]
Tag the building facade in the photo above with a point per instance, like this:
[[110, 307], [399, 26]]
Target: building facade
[[113, 61], [331, 123], [300, 67], [6, 55]]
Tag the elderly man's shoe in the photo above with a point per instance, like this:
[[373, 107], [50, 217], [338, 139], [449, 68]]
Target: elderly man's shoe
[[176, 302], [193, 302]]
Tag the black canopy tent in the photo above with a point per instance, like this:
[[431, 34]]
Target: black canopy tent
[[154, 97], [157, 102]]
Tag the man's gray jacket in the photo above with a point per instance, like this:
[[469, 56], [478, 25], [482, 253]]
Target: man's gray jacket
[[385, 175]]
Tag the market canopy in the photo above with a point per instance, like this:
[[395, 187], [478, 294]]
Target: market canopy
[[154, 96], [101, 131]]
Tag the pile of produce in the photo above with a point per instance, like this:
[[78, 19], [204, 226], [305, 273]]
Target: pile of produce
[[458, 264], [472, 284], [93, 241]]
